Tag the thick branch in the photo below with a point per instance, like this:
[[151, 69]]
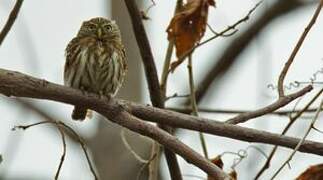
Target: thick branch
[[20, 85], [146, 53], [209, 126], [152, 77], [17, 84]]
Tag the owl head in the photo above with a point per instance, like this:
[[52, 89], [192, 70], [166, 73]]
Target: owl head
[[99, 28]]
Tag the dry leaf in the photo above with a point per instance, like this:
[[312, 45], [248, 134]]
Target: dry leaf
[[188, 25], [312, 173], [233, 174], [217, 161]]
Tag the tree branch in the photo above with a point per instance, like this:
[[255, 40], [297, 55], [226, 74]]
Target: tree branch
[[240, 44], [282, 101], [11, 20], [146, 54], [21, 85], [296, 49], [152, 78]]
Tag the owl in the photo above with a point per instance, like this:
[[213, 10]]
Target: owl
[[95, 61]]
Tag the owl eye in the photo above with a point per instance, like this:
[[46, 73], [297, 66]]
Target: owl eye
[[91, 27], [108, 27]]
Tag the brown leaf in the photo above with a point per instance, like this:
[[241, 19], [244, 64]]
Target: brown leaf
[[217, 161], [188, 25], [312, 173], [233, 174]]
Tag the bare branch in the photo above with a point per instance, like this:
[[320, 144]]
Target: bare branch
[[21, 85], [217, 35], [242, 41], [270, 108], [152, 77], [79, 139], [296, 49], [194, 105], [290, 123], [11, 20], [64, 152], [146, 53], [17, 84], [301, 141], [24, 127], [188, 110]]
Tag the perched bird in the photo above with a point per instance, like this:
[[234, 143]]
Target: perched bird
[[95, 61]]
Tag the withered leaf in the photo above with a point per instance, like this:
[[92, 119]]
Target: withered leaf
[[312, 173], [188, 26], [217, 161], [234, 175]]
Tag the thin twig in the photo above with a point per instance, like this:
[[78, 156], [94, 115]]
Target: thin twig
[[193, 103], [11, 20], [296, 49], [270, 108], [240, 44], [188, 110], [176, 96], [145, 165], [43, 114], [220, 34], [80, 140], [25, 127], [301, 141], [64, 152], [169, 52], [290, 123], [130, 149]]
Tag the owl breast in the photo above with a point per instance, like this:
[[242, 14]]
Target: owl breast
[[97, 69]]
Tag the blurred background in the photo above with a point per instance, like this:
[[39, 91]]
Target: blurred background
[[238, 70]]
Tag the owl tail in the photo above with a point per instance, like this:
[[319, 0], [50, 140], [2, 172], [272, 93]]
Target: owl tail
[[79, 113]]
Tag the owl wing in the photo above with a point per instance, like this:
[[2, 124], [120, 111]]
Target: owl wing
[[71, 51]]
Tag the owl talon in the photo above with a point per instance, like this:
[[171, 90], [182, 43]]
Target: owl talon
[[83, 90], [101, 95]]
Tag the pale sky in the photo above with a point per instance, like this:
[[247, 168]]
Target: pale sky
[[36, 46]]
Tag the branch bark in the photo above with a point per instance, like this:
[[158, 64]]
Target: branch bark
[[21, 85], [152, 79], [240, 44], [11, 20]]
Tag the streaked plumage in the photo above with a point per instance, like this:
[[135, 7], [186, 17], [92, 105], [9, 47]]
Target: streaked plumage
[[95, 60]]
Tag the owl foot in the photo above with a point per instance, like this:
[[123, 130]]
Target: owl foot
[[83, 90], [101, 95]]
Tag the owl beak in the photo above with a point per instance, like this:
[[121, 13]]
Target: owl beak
[[99, 33]]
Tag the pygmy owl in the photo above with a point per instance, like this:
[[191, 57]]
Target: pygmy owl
[[95, 60]]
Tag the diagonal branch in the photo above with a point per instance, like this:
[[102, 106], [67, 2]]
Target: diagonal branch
[[146, 54], [21, 85], [282, 101], [152, 78], [11, 20], [241, 43], [296, 49]]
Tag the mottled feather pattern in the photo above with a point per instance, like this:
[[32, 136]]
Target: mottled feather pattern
[[95, 61]]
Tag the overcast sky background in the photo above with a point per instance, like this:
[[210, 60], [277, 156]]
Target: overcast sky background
[[36, 46]]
